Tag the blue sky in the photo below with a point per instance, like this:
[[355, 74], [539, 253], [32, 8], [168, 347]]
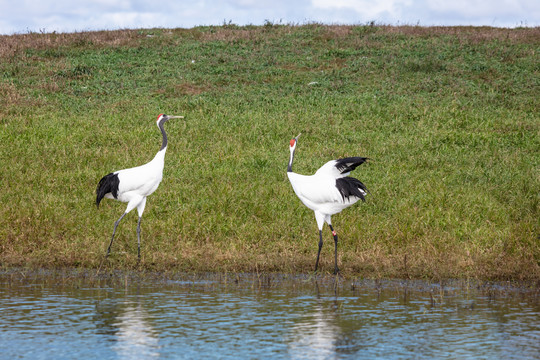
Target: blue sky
[[22, 16]]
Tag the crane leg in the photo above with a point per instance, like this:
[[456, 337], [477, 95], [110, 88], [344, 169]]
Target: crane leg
[[319, 252], [336, 269], [140, 210], [114, 232], [139, 238]]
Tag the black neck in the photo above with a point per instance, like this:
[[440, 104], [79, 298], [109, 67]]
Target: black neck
[[164, 142], [289, 168]]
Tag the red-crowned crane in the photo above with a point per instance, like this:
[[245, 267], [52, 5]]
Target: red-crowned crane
[[328, 191], [135, 184]]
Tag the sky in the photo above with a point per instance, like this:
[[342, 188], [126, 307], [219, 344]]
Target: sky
[[46, 16]]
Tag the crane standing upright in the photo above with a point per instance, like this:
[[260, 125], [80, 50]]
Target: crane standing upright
[[328, 191], [133, 185]]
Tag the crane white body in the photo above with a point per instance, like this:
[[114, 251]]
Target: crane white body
[[328, 191], [139, 182], [319, 192], [135, 184]]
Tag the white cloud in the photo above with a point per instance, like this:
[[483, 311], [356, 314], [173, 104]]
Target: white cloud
[[66, 15], [436, 12], [506, 13], [365, 8], [127, 19], [470, 8]]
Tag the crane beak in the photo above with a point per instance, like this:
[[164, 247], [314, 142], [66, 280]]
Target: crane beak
[[175, 117], [297, 136]]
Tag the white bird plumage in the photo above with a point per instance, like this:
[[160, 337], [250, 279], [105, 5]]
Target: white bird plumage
[[328, 191], [133, 185]]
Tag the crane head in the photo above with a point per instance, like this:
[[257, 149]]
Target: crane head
[[163, 117], [294, 140]]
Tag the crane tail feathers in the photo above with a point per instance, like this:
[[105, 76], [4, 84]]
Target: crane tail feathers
[[346, 165], [108, 184], [349, 186]]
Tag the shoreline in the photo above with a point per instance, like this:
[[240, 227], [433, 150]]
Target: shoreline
[[125, 278]]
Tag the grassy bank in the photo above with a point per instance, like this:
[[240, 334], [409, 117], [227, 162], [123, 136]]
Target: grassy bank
[[448, 115]]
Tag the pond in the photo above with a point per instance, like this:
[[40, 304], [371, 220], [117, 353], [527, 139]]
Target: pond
[[252, 316]]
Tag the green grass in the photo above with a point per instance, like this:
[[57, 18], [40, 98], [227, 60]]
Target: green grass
[[449, 116]]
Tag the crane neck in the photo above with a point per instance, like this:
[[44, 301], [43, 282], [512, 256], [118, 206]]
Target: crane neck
[[289, 167], [164, 134]]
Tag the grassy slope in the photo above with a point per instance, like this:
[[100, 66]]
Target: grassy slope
[[449, 115]]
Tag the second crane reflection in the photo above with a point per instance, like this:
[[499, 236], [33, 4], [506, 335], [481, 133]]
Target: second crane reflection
[[315, 336]]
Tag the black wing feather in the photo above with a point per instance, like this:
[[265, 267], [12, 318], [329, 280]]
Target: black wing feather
[[349, 186], [349, 164], [108, 184]]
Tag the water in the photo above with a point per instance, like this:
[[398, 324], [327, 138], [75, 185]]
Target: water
[[274, 318]]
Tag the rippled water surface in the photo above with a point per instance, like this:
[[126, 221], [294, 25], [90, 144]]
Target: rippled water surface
[[246, 317]]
